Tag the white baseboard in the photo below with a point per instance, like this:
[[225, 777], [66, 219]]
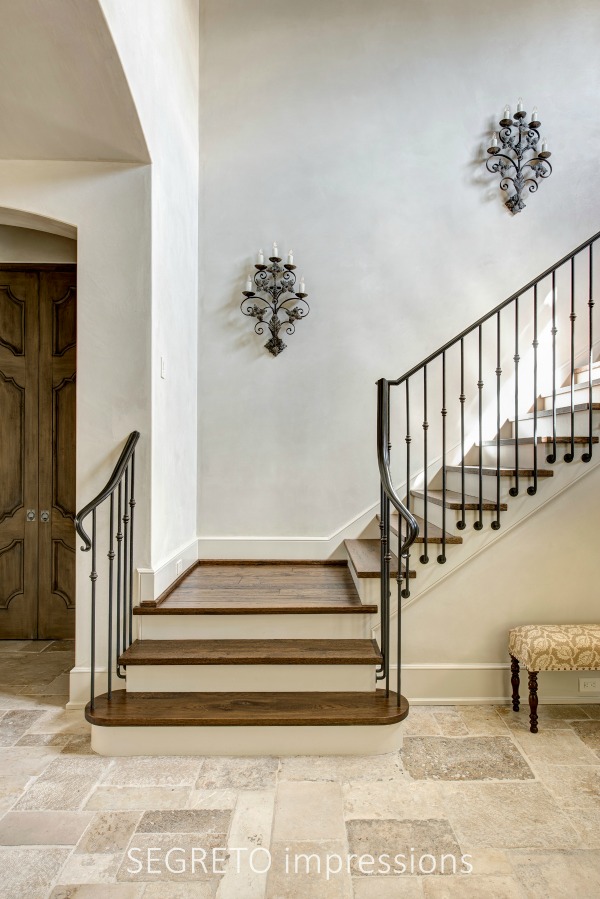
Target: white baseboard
[[154, 581]]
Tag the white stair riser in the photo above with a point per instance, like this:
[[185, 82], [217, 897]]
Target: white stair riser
[[563, 426], [249, 678], [581, 395], [508, 454], [583, 376], [247, 741], [254, 627]]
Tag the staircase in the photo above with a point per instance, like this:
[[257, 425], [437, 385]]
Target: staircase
[[305, 658]]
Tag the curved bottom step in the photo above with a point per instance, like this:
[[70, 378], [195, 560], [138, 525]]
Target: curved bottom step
[[246, 724]]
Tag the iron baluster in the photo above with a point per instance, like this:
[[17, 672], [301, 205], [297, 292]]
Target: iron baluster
[[132, 510], [119, 571], [514, 491], [93, 579], [382, 498], [586, 457], [553, 455], [461, 525], [568, 457], [496, 522], [425, 557], [408, 439], [479, 523], [442, 557], [532, 490], [111, 558], [125, 557]]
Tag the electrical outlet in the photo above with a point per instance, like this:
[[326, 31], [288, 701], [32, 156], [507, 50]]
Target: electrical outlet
[[178, 566], [589, 684]]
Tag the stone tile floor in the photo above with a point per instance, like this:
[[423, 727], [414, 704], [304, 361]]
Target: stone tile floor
[[469, 781]]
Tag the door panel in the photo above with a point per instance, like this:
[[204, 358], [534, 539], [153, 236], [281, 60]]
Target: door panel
[[19, 334], [58, 328]]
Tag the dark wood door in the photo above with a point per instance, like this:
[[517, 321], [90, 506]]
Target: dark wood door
[[37, 452]]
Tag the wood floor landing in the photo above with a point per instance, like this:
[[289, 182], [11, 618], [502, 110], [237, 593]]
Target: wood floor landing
[[245, 709], [252, 652], [251, 589]]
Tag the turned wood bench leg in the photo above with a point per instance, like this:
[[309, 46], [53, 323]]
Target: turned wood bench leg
[[533, 701], [514, 667]]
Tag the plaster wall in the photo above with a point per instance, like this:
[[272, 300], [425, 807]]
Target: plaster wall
[[355, 134], [29, 245]]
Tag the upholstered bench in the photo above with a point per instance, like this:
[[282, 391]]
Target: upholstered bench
[[550, 647]]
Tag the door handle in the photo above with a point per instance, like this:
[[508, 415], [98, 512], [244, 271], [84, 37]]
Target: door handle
[[45, 515], [30, 514]]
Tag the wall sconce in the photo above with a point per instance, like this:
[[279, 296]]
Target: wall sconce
[[275, 280], [518, 140]]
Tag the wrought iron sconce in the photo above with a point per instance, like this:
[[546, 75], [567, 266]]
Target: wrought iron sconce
[[276, 280], [511, 158]]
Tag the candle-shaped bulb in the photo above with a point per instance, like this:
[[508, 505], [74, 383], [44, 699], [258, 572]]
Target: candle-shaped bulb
[[261, 257], [534, 115], [249, 284], [494, 139], [520, 104], [290, 257], [544, 145], [302, 286], [275, 251], [507, 111]]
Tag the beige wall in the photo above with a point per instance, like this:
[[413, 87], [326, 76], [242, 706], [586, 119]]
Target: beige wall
[[29, 245]]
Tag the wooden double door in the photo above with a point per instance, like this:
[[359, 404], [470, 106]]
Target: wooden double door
[[38, 328]]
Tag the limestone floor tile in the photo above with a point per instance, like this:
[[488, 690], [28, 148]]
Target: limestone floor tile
[[465, 758], [21, 668], [13, 645], [559, 875], [212, 799], [299, 870], [481, 720], [185, 821], [61, 646], [65, 784], [420, 722], [238, 774], [27, 872], [59, 685], [306, 811], [592, 710], [98, 891], [108, 832], [342, 768], [507, 816], [43, 828], [406, 799], [572, 785], [392, 848], [20, 760], [486, 861], [58, 740], [116, 798], [556, 748], [207, 889], [249, 833], [61, 721], [78, 744], [175, 857], [14, 723], [141, 771], [96, 868], [586, 822], [589, 733], [470, 887], [11, 787], [450, 723], [404, 887], [13, 700]]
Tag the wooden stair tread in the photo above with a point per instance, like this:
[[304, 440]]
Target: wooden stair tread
[[528, 441], [252, 652], [365, 559], [246, 709], [504, 472], [434, 533], [267, 589], [454, 500], [560, 410]]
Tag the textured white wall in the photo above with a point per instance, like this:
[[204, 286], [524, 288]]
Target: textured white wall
[[158, 44], [353, 133], [29, 245]]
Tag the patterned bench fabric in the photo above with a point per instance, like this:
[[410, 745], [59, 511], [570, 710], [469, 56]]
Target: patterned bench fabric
[[556, 647]]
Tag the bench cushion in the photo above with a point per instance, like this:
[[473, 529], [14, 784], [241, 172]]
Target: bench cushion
[[556, 647]]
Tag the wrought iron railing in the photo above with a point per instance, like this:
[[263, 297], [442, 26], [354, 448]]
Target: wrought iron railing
[[119, 495], [459, 367]]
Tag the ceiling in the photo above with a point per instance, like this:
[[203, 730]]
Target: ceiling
[[63, 92]]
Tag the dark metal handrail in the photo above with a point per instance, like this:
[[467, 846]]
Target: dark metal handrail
[[524, 316], [120, 492]]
